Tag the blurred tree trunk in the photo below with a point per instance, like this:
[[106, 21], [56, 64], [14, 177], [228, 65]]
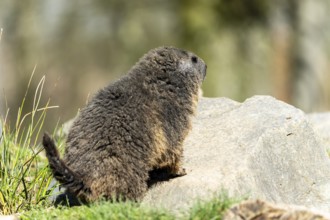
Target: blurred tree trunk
[[282, 22], [311, 67], [300, 55]]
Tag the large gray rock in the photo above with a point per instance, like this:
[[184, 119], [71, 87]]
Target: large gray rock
[[321, 125], [262, 148]]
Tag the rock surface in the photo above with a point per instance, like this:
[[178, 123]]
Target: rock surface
[[9, 217], [261, 148], [321, 125]]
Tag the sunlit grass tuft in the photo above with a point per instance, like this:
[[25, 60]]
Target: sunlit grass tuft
[[214, 208], [24, 175]]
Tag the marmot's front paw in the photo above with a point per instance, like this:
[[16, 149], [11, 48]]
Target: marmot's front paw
[[180, 172]]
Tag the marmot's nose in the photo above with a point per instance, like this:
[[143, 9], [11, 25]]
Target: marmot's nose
[[204, 71], [202, 68]]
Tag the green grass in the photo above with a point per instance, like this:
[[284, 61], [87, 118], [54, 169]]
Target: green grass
[[24, 176], [101, 210], [213, 209]]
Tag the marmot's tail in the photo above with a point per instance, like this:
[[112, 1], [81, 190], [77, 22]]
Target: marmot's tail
[[62, 173]]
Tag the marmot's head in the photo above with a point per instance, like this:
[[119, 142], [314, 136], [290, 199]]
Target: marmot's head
[[172, 69]]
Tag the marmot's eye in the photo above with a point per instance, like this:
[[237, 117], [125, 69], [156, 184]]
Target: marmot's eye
[[194, 59]]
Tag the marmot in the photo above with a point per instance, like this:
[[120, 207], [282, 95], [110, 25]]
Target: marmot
[[131, 127]]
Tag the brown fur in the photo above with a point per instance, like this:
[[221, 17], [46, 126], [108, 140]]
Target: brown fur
[[261, 210], [131, 127]]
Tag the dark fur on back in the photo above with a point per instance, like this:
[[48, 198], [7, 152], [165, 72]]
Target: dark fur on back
[[131, 127]]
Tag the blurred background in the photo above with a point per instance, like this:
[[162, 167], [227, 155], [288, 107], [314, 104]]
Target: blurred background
[[256, 47]]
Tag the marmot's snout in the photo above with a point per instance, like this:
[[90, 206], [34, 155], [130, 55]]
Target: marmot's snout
[[204, 70], [201, 66]]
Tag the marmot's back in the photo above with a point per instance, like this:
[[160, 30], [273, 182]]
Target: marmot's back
[[135, 125]]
